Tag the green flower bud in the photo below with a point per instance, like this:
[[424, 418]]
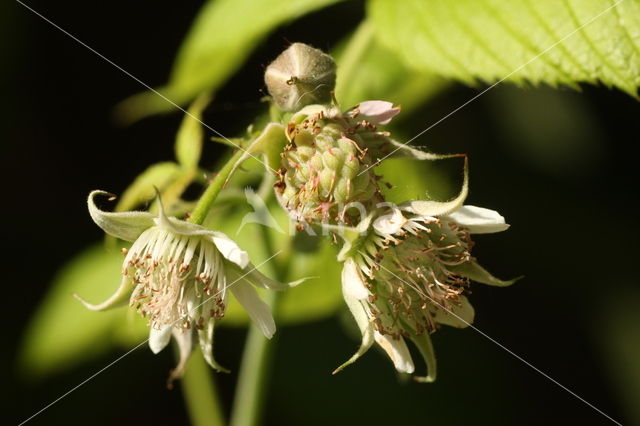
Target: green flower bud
[[300, 76]]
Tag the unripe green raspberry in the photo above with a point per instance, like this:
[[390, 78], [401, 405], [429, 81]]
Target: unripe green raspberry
[[328, 164]]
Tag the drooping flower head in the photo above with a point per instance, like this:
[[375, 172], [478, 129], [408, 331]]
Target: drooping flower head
[[178, 275], [407, 273], [328, 165]]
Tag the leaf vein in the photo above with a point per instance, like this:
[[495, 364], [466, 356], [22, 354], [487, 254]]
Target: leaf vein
[[522, 39], [445, 53], [478, 40], [581, 29], [625, 30], [554, 36]]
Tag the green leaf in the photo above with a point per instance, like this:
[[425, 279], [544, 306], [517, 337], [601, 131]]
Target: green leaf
[[142, 189], [189, 138], [223, 35], [536, 41], [368, 70], [63, 331]]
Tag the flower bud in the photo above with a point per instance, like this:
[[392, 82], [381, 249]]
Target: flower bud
[[300, 76]]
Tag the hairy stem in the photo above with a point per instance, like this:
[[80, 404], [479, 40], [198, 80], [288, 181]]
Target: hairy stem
[[205, 202]]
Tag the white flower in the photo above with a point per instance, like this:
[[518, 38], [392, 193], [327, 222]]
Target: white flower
[[406, 271], [178, 275]]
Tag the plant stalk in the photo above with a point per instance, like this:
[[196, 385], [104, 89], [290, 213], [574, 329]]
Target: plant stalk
[[205, 202], [257, 357], [200, 393]]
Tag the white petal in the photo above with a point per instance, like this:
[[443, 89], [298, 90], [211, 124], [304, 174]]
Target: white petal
[[124, 225], [259, 312], [457, 316], [353, 284], [159, 338], [397, 351], [478, 220], [230, 250], [390, 224]]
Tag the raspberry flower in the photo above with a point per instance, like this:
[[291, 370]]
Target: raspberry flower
[[406, 272], [178, 275]]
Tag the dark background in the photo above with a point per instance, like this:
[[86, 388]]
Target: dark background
[[574, 233]]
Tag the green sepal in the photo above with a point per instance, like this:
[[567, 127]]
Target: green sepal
[[404, 150], [117, 299], [438, 208], [205, 337], [362, 319], [423, 342], [474, 271], [124, 225]]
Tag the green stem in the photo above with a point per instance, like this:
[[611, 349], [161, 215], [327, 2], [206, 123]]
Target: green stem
[[253, 379], [257, 357], [200, 394], [204, 203]]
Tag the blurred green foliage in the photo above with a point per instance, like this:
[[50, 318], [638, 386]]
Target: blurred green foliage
[[369, 70], [63, 331], [222, 37], [405, 52]]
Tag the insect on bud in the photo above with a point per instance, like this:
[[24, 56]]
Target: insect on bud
[[300, 76]]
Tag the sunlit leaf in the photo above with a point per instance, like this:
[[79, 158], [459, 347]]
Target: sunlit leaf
[[541, 41], [223, 35]]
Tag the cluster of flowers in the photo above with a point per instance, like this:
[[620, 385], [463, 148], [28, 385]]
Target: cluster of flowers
[[406, 267]]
